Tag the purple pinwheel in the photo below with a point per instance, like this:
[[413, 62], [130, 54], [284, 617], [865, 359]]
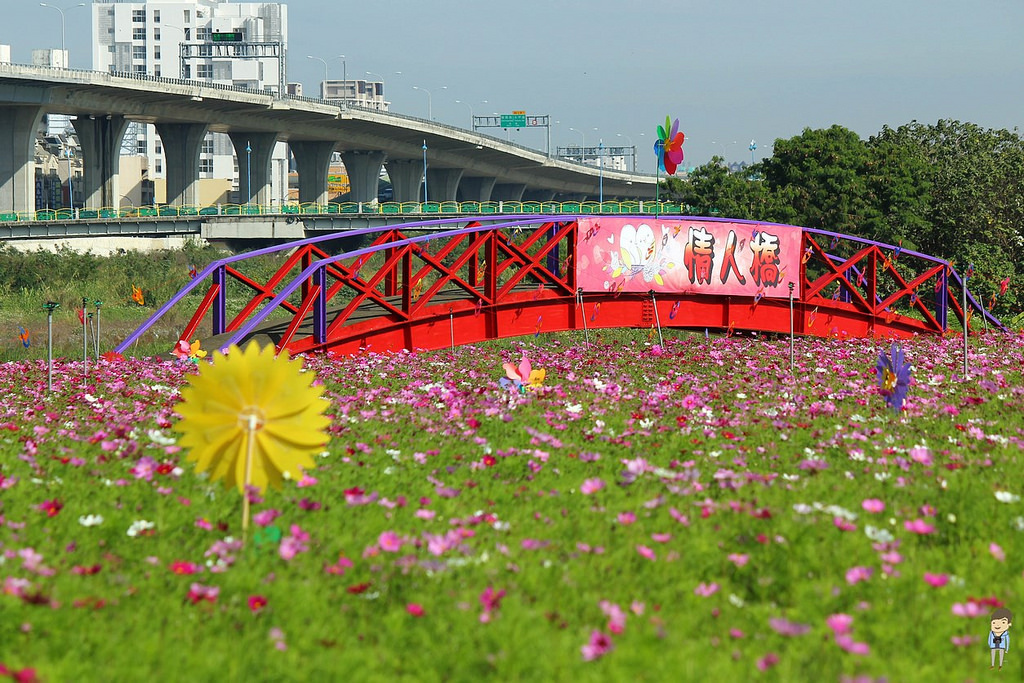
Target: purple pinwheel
[[893, 377]]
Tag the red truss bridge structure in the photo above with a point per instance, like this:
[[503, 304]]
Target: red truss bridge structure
[[438, 283]]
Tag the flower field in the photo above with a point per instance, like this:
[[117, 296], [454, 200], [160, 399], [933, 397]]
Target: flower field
[[686, 512]]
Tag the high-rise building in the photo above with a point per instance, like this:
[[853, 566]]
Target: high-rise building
[[242, 44]]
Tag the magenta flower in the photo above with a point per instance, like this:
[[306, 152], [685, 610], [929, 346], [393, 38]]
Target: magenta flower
[[936, 580], [997, 552], [415, 609], [257, 603], [843, 524], [739, 559], [266, 517], [858, 574], [590, 486], [646, 552], [626, 518], [616, 616], [919, 526], [847, 643], [294, 543], [969, 609], [705, 590], [197, 592], [598, 645], [788, 628], [872, 505], [839, 623], [767, 662], [491, 601], [390, 542]]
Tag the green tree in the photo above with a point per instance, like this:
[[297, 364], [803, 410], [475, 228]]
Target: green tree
[[712, 190]]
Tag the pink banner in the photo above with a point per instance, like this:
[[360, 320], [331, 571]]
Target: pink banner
[[687, 256]]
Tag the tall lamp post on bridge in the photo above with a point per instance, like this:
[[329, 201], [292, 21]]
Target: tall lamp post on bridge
[[248, 175], [425, 172], [583, 145], [632, 148], [71, 191], [63, 51], [600, 169], [472, 118], [323, 92], [430, 101]]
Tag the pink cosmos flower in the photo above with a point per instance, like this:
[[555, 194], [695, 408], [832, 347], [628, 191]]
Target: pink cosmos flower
[[839, 623], [390, 542], [963, 641], [736, 634], [843, 524], [339, 567], [294, 543], [767, 662], [415, 609], [705, 590], [847, 643], [197, 592], [185, 568], [786, 627], [858, 574], [922, 455], [616, 616], [872, 505], [739, 559], [257, 603], [997, 552], [626, 518], [969, 609], [266, 517], [919, 526], [599, 644], [646, 552], [590, 486], [936, 580]]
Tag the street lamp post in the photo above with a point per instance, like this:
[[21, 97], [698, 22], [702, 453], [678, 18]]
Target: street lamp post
[[632, 148], [472, 118], [63, 52], [430, 100], [583, 145], [71, 190], [600, 169], [323, 91], [424, 171], [248, 175]]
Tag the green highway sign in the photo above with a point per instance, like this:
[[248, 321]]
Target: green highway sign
[[513, 120]]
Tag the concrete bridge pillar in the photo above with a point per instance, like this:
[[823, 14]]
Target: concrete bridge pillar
[[100, 137], [182, 143], [539, 196], [254, 166], [477, 189], [508, 192], [443, 183], [313, 158], [406, 178], [363, 168], [18, 127]]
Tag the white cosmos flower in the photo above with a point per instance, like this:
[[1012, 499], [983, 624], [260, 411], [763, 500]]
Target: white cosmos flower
[[139, 526], [90, 520], [1007, 497], [878, 535]]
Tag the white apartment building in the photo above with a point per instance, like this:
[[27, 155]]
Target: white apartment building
[[242, 44]]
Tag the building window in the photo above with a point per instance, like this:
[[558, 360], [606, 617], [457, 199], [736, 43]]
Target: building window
[[207, 146], [156, 16], [187, 73], [206, 165], [139, 16], [139, 69], [158, 148], [140, 147], [138, 34], [156, 71], [156, 52], [156, 34], [159, 166], [204, 71], [202, 33], [188, 16], [139, 52], [206, 50]]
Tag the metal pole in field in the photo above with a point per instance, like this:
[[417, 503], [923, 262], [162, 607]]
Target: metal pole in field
[[85, 342], [657, 319], [583, 311], [49, 306], [792, 335], [98, 304], [425, 200], [965, 325]]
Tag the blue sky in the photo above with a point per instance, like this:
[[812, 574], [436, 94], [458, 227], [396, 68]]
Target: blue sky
[[730, 70]]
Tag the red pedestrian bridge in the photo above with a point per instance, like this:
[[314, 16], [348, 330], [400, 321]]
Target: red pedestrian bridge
[[445, 282]]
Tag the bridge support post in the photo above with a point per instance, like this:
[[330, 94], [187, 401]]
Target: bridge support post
[[363, 168], [18, 127], [313, 158], [254, 178], [100, 137], [477, 189], [508, 192], [443, 183], [406, 178], [182, 143]]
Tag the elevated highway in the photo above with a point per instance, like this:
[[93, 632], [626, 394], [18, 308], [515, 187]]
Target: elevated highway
[[461, 164]]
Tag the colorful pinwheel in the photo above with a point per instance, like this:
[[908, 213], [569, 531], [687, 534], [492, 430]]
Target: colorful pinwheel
[[137, 296], [669, 147], [24, 336], [1003, 285], [522, 377], [188, 352], [893, 377]]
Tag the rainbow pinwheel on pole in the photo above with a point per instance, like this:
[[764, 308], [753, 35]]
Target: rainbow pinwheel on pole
[[669, 150]]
